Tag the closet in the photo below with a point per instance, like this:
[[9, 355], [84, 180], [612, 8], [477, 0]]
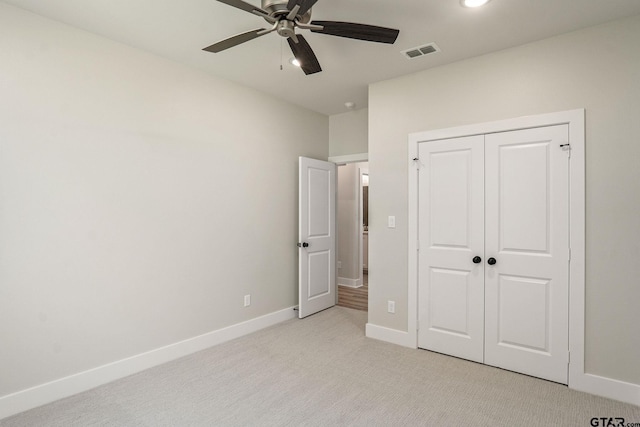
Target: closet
[[493, 257]]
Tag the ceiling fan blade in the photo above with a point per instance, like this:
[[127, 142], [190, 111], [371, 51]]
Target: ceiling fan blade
[[235, 40], [350, 30], [305, 5], [245, 6], [304, 54]]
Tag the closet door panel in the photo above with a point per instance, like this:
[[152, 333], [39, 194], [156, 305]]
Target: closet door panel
[[451, 234], [527, 233]]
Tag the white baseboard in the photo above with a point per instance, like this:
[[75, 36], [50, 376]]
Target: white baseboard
[[606, 387], [350, 283], [392, 336], [46, 393]]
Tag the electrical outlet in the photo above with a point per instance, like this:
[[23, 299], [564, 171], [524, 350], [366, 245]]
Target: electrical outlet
[[247, 300], [391, 306], [392, 222], [339, 264]]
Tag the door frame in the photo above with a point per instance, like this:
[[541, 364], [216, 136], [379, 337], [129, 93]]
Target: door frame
[[575, 119], [361, 172]]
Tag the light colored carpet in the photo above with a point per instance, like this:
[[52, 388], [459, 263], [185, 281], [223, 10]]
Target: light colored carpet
[[322, 371]]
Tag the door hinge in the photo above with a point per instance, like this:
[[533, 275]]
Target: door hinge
[[418, 245], [569, 254], [568, 357], [567, 148]]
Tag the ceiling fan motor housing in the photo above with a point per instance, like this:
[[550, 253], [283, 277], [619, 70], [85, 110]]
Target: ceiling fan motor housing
[[286, 28], [278, 9], [273, 6]]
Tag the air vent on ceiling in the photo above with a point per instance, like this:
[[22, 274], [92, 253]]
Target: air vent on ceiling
[[417, 52]]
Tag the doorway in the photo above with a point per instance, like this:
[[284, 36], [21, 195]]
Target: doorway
[[352, 235]]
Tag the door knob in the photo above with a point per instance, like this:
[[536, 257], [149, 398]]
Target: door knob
[[477, 260], [303, 245], [491, 261]]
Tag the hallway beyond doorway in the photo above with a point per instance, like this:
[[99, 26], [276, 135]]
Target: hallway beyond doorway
[[357, 298]]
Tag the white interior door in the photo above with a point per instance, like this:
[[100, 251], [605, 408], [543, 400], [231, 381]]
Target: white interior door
[[451, 235], [316, 234], [527, 233]]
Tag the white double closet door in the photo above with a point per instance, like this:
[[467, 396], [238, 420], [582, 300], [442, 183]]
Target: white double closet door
[[500, 197]]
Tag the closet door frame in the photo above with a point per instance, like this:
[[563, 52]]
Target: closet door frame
[[575, 119]]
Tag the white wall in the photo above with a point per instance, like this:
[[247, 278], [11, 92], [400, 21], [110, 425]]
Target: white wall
[[347, 223], [597, 69], [348, 133], [140, 200]]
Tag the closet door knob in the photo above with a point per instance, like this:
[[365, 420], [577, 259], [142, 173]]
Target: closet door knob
[[477, 260], [491, 261]]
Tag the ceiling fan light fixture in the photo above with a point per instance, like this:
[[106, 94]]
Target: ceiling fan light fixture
[[473, 3]]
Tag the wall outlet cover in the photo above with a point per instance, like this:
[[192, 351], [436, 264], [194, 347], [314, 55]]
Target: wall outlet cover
[[391, 306]]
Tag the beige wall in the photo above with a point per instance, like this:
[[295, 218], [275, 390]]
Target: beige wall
[[140, 200], [348, 133], [597, 69], [347, 220], [347, 243]]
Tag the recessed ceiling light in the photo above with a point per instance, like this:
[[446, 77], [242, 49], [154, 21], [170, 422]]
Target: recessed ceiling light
[[294, 62], [473, 3]]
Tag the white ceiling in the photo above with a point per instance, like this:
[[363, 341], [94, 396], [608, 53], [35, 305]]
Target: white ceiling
[[178, 30]]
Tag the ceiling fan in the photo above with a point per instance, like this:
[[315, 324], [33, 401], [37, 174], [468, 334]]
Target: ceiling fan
[[287, 15]]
